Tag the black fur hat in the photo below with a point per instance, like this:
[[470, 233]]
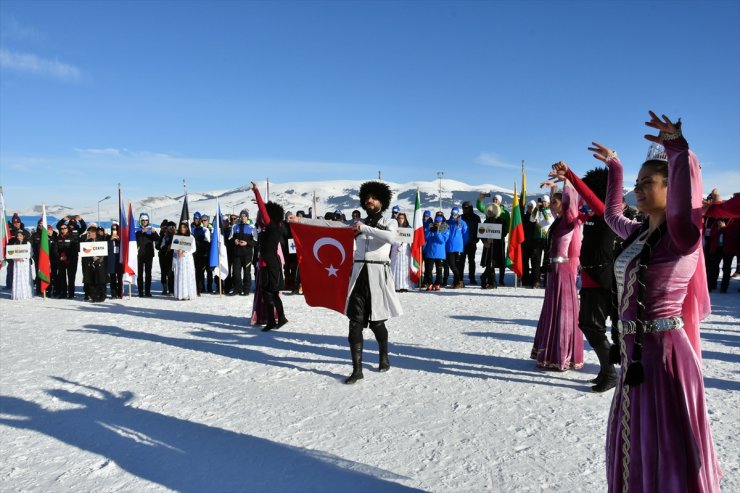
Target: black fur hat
[[275, 211], [377, 189], [596, 179]]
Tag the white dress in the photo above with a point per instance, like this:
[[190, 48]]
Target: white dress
[[184, 267], [22, 285], [400, 262]]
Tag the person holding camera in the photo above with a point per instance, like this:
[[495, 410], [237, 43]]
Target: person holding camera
[[543, 218], [455, 246], [146, 238], [435, 240]]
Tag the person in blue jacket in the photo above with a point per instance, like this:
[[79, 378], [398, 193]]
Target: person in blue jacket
[[435, 236], [456, 246]]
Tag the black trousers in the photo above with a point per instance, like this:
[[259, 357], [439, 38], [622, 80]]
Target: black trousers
[[167, 277], [453, 261], [526, 273], [242, 269], [595, 307], [716, 258], [66, 279], [535, 257], [469, 255], [358, 312], [144, 275], [429, 264]]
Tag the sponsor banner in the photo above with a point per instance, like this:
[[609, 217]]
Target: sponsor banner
[[405, 235], [181, 242], [94, 249], [18, 251], [490, 230]]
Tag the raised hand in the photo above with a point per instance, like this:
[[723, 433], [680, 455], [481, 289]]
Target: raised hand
[[558, 172], [549, 184], [664, 126], [602, 153]]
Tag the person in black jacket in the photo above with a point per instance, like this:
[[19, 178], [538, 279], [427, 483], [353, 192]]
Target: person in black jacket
[[166, 232], [242, 237], [472, 220], [202, 236], [146, 238], [68, 249], [597, 269], [114, 268], [94, 272]]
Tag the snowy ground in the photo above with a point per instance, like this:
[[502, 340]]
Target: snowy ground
[[156, 395]]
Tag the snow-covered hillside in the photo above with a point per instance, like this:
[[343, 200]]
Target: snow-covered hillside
[[330, 196]]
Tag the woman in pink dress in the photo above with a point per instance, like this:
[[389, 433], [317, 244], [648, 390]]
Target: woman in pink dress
[[558, 343], [658, 436]]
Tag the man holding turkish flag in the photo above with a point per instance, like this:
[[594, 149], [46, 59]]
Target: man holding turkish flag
[[324, 250], [370, 296]]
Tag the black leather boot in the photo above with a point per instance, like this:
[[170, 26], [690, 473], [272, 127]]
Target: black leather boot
[[356, 350], [607, 378]]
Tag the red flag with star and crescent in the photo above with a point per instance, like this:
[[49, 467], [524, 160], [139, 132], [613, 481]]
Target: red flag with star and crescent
[[325, 262]]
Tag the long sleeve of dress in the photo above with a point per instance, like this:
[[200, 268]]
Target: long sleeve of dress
[[591, 199], [261, 206], [569, 205], [684, 196], [613, 216], [727, 209]]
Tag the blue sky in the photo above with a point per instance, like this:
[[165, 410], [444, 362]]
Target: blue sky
[[224, 92]]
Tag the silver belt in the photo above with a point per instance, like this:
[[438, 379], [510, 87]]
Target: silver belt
[[659, 325], [559, 260]]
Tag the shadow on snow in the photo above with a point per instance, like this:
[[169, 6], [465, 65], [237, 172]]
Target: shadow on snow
[[186, 456]]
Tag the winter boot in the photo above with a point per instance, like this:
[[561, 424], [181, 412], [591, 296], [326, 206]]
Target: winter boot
[[385, 365], [356, 350], [608, 375]]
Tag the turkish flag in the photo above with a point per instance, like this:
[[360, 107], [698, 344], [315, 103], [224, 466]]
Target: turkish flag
[[325, 261]]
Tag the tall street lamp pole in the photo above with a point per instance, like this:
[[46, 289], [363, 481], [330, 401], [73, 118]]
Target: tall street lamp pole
[[99, 201]]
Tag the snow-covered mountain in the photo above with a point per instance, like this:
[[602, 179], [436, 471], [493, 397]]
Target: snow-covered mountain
[[332, 195]]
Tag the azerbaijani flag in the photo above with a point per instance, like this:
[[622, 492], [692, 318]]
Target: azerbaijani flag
[[516, 237], [128, 248], [44, 272], [418, 242], [218, 257]]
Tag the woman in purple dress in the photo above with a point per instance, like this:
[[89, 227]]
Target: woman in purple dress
[[658, 436], [558, 343]]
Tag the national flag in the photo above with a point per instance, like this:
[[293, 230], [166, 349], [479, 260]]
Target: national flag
[[523, 200], [4, 231], [185, 212], [325, 261], [418, 242], [516, 238], [123, 229], [44, 271], [218, 257], [129, 268]]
